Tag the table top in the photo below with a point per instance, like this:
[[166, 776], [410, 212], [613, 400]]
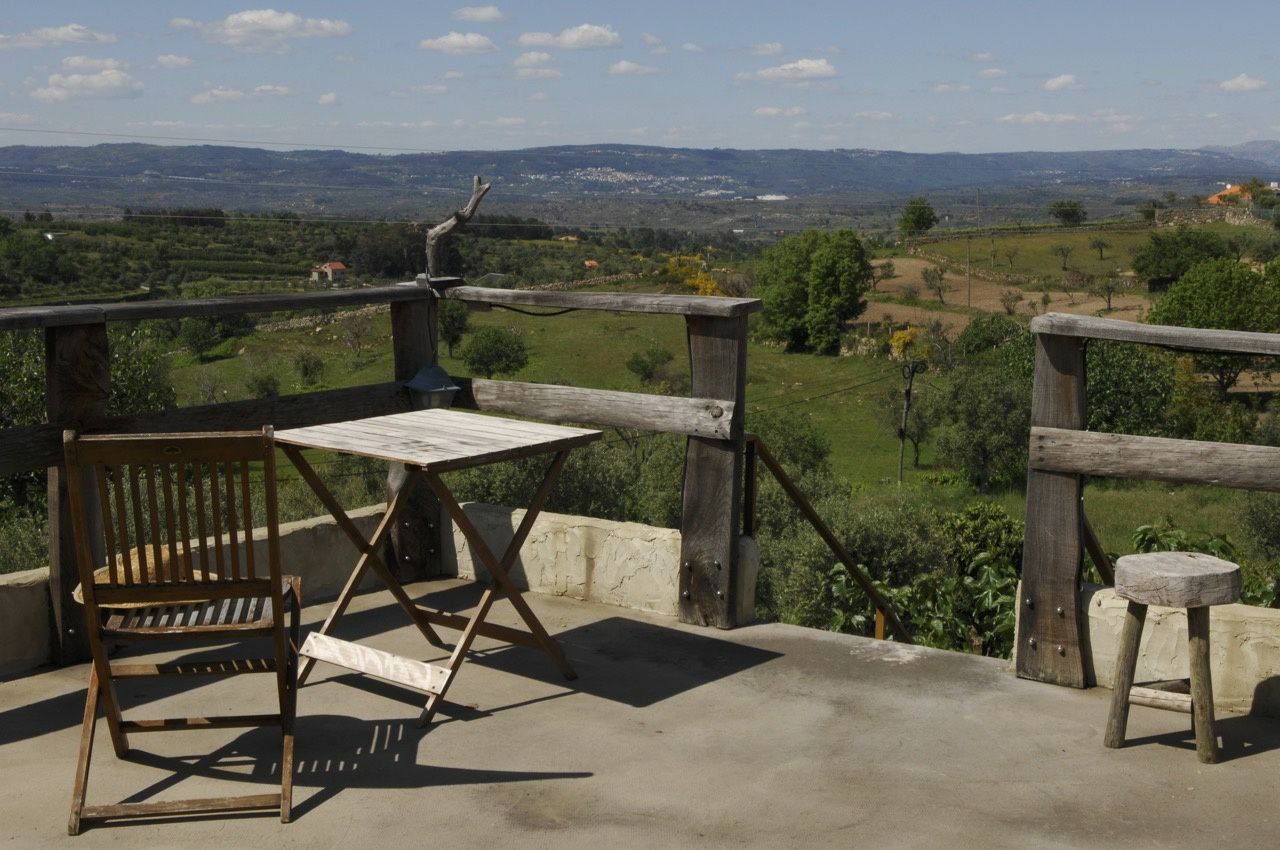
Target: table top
[[438, 440]]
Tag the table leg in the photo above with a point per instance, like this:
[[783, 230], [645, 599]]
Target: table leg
[[368, 557], [498, 569]]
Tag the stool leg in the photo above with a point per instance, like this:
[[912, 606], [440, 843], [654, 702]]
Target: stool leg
[[1126, 664], [1201, 685]]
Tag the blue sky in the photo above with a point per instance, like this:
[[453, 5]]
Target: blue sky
[[976, 76]]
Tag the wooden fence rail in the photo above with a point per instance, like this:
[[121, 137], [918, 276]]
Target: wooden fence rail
[[1062, 453], [78, 384]]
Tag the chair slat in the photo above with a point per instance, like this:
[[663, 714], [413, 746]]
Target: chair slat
[[122, 525], [247, 506], [215, 511], [230, 483], [154, 531], [170, 525], [108, 523], [197, 479], [184, 524], [139, 528]]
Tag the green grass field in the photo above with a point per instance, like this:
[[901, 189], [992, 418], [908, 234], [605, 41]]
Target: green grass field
[[1034, 257]]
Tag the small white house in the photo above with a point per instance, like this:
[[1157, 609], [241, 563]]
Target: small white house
[[331, 272]]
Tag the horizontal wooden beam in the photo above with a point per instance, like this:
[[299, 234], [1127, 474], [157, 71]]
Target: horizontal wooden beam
[[1168, 336], [24, 318], [1155, 459], [679, 305], [21, 318], [31, 447], [699, 417]]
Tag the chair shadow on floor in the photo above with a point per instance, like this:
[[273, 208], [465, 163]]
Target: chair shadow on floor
[[338, 752]]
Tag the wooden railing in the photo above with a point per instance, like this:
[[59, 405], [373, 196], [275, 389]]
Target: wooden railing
[[886, 616], [1062, 452], [78, 380]]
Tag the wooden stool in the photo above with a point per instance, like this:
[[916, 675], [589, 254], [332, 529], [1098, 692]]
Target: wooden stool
[[1174, 580]]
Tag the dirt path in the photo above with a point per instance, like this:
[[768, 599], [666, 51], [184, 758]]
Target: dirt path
[[986, 298]]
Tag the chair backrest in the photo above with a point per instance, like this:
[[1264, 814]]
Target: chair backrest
[[169, 518]]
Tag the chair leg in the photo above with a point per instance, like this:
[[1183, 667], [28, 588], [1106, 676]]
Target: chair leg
[[1126, 665], [289, 700], [81, 785], [1201, 685]]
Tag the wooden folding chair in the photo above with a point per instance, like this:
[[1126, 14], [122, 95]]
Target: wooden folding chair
[[163, 528]]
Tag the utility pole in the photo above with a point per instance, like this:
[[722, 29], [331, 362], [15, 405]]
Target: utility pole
[[968, 269], [909, 372]]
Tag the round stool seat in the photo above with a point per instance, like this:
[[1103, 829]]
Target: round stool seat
[[1177, 579]]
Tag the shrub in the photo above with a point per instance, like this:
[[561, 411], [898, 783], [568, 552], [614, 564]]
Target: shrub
[[310, 367], [492, 351]]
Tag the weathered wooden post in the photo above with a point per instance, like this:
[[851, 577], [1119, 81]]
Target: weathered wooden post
[[416, 541], [712, 514], [77, 384], [1049, 647]]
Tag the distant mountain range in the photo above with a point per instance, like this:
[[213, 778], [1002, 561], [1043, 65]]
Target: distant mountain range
[[133, 175]]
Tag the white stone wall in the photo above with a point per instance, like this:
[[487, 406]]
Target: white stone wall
[[1244, 649]]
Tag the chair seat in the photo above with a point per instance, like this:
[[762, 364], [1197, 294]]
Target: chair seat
[[1177, 579], [244, 613]]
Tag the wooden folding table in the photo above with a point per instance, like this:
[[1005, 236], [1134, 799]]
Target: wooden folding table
[[428, 443]]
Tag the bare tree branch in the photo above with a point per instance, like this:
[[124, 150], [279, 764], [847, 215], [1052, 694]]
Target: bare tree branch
[[461, 217]]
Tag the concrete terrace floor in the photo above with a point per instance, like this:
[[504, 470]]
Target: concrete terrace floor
[[768, 736]]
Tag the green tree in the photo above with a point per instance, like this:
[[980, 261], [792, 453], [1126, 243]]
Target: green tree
[[492, 351], [1222, 294], [917, 217], [1100, 245], [1063, 251], [935, 280], [1168, 255], [811, 284], [1068, 213], [455, 320]]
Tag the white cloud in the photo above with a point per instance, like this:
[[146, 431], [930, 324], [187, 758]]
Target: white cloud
[[655, 45], [1062, 82], [16, 117], [329, 98], [452, 75], [800, 71], [998, 90], [874, 116], [227, 94], [992, 73], [479, 14], [1039, 117], [778, 111], [85, 63], [1242, 83], [691, 47], [581, 37], [768, 48], [532, 59], [538, 74], [172, 61], [981, 56], [430, 89], [504, 121], [949, 88], [627, 68], [538, 96], [218, 94], [54, 36], [263, 30], [459, 43], [110, 82]]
